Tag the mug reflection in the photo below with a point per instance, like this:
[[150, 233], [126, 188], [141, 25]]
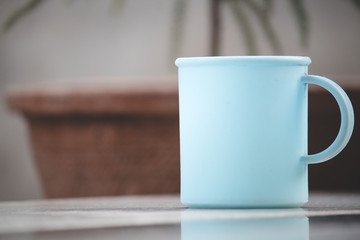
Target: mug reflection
[[253, 228]]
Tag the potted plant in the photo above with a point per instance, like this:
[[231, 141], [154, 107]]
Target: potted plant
[[102, 140]]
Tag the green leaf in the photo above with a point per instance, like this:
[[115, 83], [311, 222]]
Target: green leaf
[[116, 6], [246, 29], [301, 17], [178, 27], [356, 2], [20, 13], [263, 15]]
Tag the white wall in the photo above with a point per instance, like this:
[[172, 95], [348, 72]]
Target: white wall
[[76, 40]]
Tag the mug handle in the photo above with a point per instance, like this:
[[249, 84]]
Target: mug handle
[[347, 119]]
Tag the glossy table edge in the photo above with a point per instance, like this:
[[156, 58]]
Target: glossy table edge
[[155, 210]]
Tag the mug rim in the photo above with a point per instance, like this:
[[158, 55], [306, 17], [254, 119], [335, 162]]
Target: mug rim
[[267, 60]]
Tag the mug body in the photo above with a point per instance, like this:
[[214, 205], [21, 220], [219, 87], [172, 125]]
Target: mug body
[[243, 129]]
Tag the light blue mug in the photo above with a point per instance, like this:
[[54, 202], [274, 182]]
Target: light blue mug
[[243, 130]]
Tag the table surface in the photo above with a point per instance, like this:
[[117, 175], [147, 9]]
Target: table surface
[[325, 216]]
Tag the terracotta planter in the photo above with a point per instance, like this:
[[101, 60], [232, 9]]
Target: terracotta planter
[[103, 141]]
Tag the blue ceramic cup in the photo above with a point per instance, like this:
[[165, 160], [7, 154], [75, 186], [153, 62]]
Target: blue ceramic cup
[[243, 130]]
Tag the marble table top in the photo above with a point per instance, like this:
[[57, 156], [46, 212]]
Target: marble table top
[[325, 216]]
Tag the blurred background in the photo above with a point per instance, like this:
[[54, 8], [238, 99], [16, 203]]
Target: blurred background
[[54, 51]]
